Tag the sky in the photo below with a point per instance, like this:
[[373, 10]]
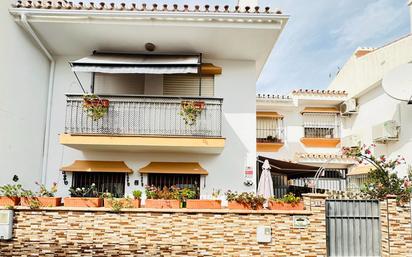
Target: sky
[[320, 37]]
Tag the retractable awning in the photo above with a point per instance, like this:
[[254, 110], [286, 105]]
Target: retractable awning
[[320, 110], [290, 169], [97, 166], [138, 63], [361, 170], [174, 168], [272, 115]]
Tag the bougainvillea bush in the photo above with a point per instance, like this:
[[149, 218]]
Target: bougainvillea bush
[[383, 180]]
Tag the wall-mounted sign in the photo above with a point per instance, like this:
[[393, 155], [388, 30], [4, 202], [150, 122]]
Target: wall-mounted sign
[[249, 172], [300, 221]]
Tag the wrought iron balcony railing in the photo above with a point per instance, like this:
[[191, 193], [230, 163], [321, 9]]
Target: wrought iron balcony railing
[[270, 135], [135, 115]]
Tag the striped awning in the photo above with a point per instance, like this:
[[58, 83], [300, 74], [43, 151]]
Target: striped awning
[[320, 110], [97, 166], [174, 168], [138, 63]]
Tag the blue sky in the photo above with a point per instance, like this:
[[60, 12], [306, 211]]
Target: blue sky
[[320, 36]]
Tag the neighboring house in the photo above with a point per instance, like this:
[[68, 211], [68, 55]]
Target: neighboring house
[[378, 119], [208, 57], [305, 128]]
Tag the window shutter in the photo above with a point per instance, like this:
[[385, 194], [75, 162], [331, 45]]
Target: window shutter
[[188, 85]]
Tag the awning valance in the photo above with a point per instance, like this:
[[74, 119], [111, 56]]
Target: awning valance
[[289, 169], [97, 166], [174, 168], [273, 115], [320, 110], [138, 63]]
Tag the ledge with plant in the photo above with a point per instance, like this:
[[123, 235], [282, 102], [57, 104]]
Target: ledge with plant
[[43, 198], [244, 201], [213, 203], [10, 193], [83, 197], [166, 198], [287, 202], [119, 203]]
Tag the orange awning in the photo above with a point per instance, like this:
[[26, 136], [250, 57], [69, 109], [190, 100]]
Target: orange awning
[[97, 166], [273, 115], [174, 168], [210, 69], [321, 110]]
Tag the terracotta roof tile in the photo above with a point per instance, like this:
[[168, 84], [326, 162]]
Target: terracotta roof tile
[[319, 92], [68, 5], [322, 156]]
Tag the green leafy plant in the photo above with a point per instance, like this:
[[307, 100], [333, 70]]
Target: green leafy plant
[[289, 198], [187, 193], [12, 190], [34, 203], [190, 110], [116, 205], [44, 192], [90, 191], [95, 106], [249, 199], [172, 193], [382, 179], [137, 194]]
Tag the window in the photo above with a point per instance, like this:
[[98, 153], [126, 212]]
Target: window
[[321, 125], [269, 129], [180, 180], [188, 85], [112, 182]]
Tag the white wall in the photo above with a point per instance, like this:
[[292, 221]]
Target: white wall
[[24, 73], [236, 85]]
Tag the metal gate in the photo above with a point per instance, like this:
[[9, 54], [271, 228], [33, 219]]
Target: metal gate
[[353, 228]]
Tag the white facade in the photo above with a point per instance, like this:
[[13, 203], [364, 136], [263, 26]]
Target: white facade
[[215, 36], [362, 77]]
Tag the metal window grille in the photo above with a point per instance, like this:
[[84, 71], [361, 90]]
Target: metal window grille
[[356, 182], [112, 182], [269, 130], [180, 180], [321, 125], [144, 115]]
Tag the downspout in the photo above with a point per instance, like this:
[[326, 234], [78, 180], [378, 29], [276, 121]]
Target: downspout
[[46, 141]]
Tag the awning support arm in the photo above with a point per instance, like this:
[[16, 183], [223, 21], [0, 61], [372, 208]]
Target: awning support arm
[[78, 80]]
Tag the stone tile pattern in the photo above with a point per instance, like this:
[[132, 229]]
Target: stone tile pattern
[[85, 233]]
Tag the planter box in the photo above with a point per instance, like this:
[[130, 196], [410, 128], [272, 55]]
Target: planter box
[[83, 202], [239, 206], [273, 205], [162, 204], [203, 204], [125, 202], [43, 201], [9, 200]]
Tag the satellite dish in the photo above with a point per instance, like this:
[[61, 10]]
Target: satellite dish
[[397, 83]]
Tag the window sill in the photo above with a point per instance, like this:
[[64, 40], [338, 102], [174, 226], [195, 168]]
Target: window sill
[[268, 147], [320, 142]]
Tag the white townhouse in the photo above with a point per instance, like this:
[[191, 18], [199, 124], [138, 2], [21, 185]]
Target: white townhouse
[[301, 132], [175, 90]]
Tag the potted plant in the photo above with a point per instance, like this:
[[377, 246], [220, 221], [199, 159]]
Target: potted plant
[[127, 202], [162, 198], [213, 203], [244, 201], [83, 197], [95, 106], [190, 110], [287, 202], [45, 197], [10, 194], [185, 195]]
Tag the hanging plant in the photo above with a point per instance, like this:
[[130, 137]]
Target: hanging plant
[[190, 111], [95, 106]]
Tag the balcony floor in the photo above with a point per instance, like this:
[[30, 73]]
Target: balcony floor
[[144, 143]]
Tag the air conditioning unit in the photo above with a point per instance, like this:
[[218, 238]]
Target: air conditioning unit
[[351, 141], [349, 107], [386, 131]]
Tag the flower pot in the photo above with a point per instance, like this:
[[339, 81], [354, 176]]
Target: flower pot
[[9, 200], [203, 204], [273, 205], [199, 105], [43, 201], [233, 205], [96, 102], [126, 203], [105, 103], [83, 202], [162, 204]]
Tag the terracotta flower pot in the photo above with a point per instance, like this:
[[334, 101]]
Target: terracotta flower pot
[[9, 200], [105, 102], [273, 205], [203, 204], [233, 205], [83, 202], [199, 105], [162, 204], [127, 203], [43, 201]]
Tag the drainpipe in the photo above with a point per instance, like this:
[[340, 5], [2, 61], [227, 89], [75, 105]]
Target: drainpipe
[[29, 29]]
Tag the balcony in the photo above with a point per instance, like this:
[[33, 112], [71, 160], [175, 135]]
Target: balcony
[[269, 140], [144, 123]]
